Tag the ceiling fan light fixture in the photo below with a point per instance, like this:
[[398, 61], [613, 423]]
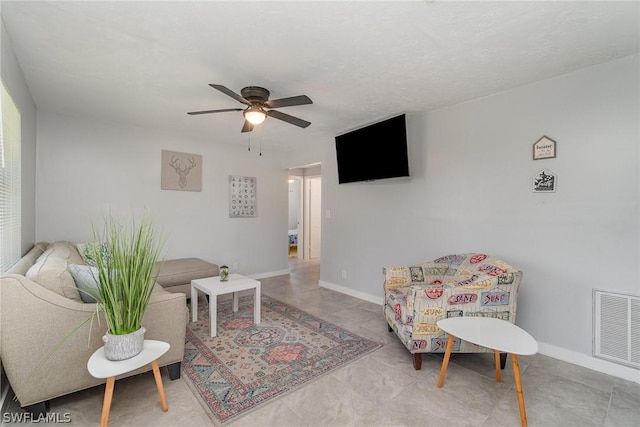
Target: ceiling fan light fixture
[[254, 115], [255, 99]]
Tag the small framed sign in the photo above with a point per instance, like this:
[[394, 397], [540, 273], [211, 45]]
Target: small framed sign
[[544, 148], [544, 182], [243, 196], [181, 171]]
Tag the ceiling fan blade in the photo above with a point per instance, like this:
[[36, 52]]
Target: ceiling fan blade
[[214, 111], [289, 102], [230, 93], [247, 127], [287, 118]]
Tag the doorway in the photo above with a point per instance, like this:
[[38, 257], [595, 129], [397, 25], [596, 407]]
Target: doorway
[[305, 216], [295, 217]]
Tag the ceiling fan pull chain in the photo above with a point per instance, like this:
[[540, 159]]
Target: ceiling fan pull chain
[[260, 145], [249, 142]]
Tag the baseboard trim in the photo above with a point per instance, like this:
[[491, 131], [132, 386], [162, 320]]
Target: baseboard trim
[[269, 274], [589, 362], [347, 291]]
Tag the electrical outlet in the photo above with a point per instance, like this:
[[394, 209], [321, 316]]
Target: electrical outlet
[[344, 274], [234, 265]]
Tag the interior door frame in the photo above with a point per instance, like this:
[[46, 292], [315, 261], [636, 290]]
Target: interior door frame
[[307, 213], [301, 220]]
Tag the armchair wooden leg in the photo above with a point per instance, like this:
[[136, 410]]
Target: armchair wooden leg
[[498, 357], [417, 361]]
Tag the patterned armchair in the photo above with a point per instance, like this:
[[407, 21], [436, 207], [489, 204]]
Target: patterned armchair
[[473, 284]]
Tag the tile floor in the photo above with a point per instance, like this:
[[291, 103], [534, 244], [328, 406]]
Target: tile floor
[[382, 388]]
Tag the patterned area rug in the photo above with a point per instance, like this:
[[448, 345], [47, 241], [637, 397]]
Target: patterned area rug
[[247, 365]]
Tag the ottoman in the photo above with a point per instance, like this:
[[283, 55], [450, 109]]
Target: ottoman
[[176, 274]]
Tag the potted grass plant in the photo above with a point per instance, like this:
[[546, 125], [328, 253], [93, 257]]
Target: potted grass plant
[[127, 274]]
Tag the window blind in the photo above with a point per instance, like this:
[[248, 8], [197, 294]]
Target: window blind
[[10, 190]]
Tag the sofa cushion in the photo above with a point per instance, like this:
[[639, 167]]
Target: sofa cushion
[[86, 278], [51, 271], [181, 271]]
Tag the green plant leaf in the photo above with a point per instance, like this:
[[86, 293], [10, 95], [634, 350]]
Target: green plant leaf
[[126, 271]]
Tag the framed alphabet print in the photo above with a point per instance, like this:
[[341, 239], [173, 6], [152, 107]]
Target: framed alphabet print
[[243, 196]]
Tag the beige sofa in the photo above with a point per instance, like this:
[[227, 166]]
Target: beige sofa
[[40, 306]]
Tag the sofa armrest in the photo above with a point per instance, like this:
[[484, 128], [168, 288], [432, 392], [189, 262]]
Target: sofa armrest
[[45, 335], [28, 259], [396, 277], [166, 320]]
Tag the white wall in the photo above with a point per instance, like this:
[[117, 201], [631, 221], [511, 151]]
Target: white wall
[[14, 81], [470, 190], [88, 167]]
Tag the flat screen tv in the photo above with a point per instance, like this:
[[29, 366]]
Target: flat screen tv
[[377, 151]]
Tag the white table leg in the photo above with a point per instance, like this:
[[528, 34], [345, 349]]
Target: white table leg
[[194, 304], [235, 301], [213, 306], [256, 306]]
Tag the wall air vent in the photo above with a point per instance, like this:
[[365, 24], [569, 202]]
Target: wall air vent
[[616, 327]]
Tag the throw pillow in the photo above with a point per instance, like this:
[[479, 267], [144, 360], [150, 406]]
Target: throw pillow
[[50, 270], [86, 278], [88, 251]]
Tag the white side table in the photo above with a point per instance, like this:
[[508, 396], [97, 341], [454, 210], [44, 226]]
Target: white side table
[[213, 287], [500, 336], [100, 367]]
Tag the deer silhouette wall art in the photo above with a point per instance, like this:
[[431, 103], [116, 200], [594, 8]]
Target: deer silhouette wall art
[[181, 171]]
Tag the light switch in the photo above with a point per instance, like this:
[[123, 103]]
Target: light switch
[[328, 213]]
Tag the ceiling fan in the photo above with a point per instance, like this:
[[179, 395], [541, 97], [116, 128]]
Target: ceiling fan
[[257, 100]]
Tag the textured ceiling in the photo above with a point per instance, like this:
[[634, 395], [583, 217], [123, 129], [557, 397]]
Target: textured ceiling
[[148, 63]]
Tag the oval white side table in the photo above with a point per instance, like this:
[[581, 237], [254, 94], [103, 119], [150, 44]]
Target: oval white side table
[[100, 367], [500, 336]]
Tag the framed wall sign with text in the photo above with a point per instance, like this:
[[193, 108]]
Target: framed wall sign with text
[[544, 148]]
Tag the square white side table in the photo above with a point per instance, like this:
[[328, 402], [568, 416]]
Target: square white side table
[[100, 367], [213, 287]]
